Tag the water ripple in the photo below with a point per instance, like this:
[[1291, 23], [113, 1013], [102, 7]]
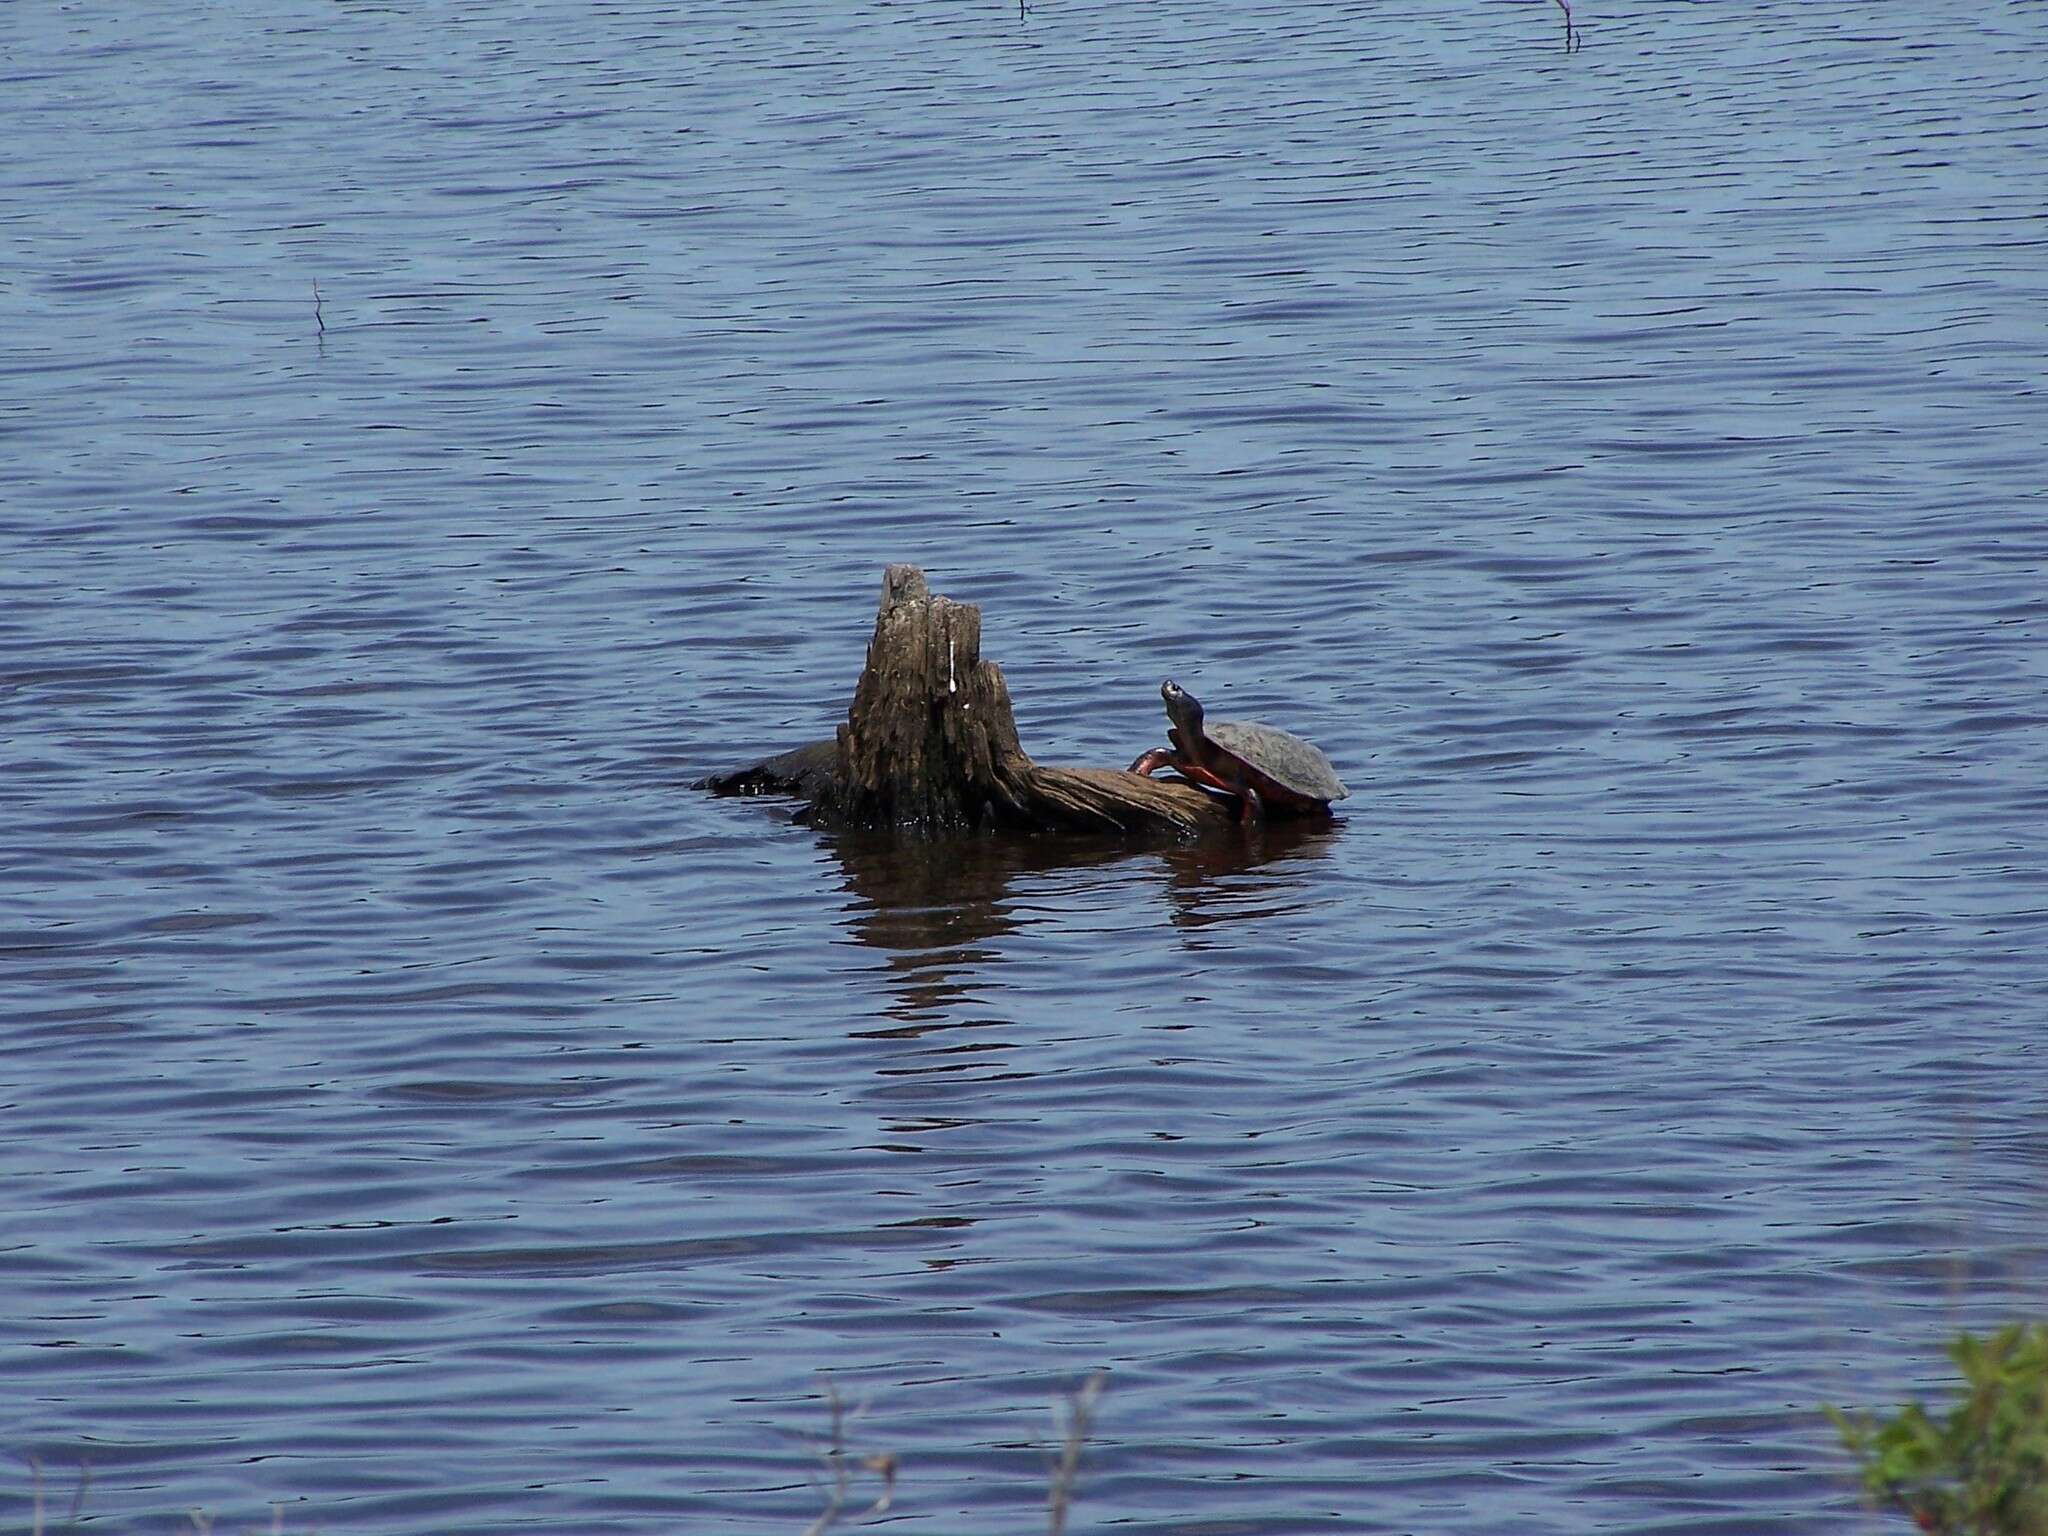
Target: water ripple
[[425, 1111]]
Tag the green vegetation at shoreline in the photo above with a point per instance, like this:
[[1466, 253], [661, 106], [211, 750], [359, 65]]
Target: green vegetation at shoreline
[[1982, 1470]]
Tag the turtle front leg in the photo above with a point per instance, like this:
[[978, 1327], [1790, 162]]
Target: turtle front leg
[[1237, 783], [1250, 807], [1149, 763]]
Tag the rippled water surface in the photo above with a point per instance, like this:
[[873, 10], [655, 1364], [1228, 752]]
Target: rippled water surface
[[430, 437]]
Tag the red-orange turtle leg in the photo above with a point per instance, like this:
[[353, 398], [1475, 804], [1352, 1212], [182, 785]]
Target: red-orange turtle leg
[[1249, 806]]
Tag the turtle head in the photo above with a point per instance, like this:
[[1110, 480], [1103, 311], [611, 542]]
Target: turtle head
[[1182, 708]]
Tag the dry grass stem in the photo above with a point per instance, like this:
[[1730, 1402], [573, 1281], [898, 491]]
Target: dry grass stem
[[39, 1510], [1080, 1410], [203, 1521], [833, 1453]]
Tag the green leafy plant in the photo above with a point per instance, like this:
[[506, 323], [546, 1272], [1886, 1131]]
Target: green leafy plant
[[1981, 1471]]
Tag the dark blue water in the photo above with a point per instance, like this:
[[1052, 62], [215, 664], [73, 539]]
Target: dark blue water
[[418, 1108]]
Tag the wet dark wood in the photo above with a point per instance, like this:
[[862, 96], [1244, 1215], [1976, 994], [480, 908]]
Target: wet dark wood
[[930, 745], [802, 771]]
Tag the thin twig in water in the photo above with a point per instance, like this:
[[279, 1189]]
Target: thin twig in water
[[1573, 38], [883, 1465], [39, 1511], [318, 319], [1080, 1409], [204, 1521], [833, 1453]]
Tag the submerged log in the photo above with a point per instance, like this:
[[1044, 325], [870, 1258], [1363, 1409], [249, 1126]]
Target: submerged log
[[931, 745]]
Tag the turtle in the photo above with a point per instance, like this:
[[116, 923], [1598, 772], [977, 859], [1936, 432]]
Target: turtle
[[1260, 766]]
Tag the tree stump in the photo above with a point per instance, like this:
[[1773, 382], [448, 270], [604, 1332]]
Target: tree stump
[[930, 745], [930, 741]]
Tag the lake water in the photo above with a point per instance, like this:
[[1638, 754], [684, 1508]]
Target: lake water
[[431, 437]]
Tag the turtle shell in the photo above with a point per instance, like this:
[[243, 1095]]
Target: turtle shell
[[1280, 755]]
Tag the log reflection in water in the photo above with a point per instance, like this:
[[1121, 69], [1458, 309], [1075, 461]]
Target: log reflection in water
[[938, 909]]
